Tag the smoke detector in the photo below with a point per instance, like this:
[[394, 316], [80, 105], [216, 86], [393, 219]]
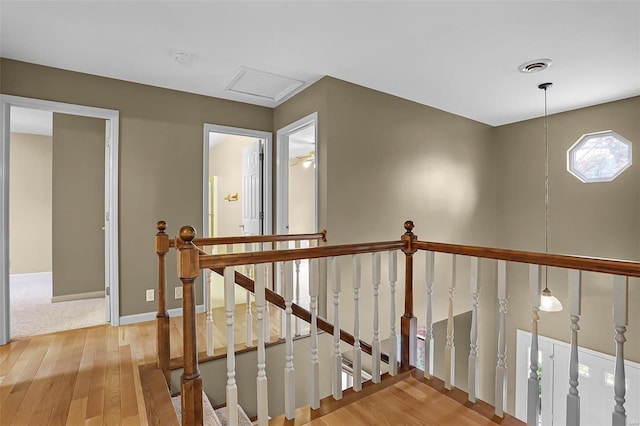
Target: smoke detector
[[180, 57], [534, 66]]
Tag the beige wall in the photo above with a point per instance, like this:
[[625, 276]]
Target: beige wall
[[225, 162], [30, 203], [160, 158], [597, 219], [302, 199], [78, 205], [383, 160]]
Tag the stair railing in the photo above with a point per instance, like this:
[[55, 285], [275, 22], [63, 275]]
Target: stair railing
[[249, 242], [409, 244], [620, 271]]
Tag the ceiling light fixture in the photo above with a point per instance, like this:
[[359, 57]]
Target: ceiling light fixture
[[535, 66], [180, 57], [548, 302]]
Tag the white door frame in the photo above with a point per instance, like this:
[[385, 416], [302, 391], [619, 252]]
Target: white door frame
[[110, 202], [266, 173], [266, 182], [282, 171]]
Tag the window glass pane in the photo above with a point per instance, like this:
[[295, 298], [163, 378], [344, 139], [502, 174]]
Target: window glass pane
[[599, 157]]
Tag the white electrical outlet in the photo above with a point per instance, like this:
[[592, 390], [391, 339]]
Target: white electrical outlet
[[150, 295], [178, 292]]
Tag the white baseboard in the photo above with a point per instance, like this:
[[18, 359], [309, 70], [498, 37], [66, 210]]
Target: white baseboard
[[150, 316], [78, 296], [27, 274]]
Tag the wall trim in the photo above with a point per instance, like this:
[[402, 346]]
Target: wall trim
[[78, 296], [150, 316], [31, 274]]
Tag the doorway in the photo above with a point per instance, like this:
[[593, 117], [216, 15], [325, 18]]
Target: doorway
[[74, 123], [297, 202], [236, 192], [297, 177]]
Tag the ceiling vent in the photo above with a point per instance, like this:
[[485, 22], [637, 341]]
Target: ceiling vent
[[535, 66], [262, 84]]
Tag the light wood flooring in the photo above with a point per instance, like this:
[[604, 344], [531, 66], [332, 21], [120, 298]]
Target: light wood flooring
[[90, 376], [408, 402]]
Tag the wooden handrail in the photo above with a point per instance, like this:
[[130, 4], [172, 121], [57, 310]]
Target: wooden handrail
[[247, 239], [249, 258], [583, 263], [298, 311]]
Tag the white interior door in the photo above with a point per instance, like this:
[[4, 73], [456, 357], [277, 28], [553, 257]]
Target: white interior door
[[251, 189]]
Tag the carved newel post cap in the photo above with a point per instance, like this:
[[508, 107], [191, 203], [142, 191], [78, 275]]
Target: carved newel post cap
[[408, 226], [162, 225], [187, 233]]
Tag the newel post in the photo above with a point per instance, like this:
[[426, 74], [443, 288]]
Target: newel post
[[190, 382], [162, 318], [408, 323]]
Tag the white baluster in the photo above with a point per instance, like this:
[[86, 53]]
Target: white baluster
[[620, 321], [428, 338], [282, 266], [501, 367], [357, 351], [289, 372], [261, 380], [450, 349], [575, 307], [313, 307], [375, 345], [336, 383], [533, 385], [267, 284], [393, 335], [249, 315], [473, 377], [298, 325], [229, 307], [210, 327]]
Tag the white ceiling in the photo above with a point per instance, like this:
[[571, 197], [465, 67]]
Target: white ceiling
[[458, 56]]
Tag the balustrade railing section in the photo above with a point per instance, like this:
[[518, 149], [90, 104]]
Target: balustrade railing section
[[284, 264]]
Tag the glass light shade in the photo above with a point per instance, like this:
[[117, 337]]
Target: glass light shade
[[306, 164], [549, 303]]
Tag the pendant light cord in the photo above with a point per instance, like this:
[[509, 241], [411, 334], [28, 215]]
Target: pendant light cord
[[545, 86], [546, 176]]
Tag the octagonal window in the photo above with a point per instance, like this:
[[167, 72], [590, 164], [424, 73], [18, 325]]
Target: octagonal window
[[599, 157]]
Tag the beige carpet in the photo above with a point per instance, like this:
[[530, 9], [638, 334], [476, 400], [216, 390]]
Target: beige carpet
[[33, 313]]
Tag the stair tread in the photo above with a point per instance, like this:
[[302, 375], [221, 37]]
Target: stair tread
[[208, 413], [243, 419]]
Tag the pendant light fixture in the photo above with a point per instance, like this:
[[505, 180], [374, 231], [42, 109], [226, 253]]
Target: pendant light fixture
[[548, 303]]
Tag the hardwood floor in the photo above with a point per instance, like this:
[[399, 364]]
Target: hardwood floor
[[89, 376], [407, 402], [405, 399], [86, 376]]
